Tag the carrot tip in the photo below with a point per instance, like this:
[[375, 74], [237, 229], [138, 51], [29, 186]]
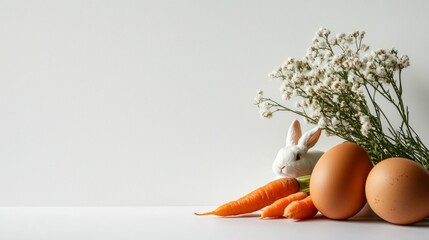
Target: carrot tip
[[203, 214]]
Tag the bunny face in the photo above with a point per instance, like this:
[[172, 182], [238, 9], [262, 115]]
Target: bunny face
[[290, 162], [294, 159]]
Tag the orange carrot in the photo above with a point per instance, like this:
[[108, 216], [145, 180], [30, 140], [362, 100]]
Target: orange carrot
[[277, 209], [257, 199], [301, 209]]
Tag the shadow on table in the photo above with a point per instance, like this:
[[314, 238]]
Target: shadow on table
[[366, 219], [248, 215]]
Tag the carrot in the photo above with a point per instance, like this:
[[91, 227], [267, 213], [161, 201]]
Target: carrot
[[301, 209], [277, 209], [261, 197]]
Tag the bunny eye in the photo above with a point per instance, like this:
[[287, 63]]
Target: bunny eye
[[298, 156]]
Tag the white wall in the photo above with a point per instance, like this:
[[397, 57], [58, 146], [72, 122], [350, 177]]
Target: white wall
[[151, 102]]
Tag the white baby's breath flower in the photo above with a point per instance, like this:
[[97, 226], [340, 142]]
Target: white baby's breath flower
[[405, 61], [322, 122], [355, 88], [276, 73], [365, 129], [304, 103], [315, 40], [295, 92], [284, 87], [328, 55], [337, 85], [382, 73], [363, 118], [259, 96], [349, 39], [371, 65], [309, 90], [351, 78], [334, 122], [317, 61], [357, 63], [323, 32], [322, 45], [365, 124], [266, 114], [319, 33], [318, 90], [327, 81], [286, 95], [345, 124], [265, 110], [340, 37], [316, 112]]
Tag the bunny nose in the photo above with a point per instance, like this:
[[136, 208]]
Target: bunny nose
[[282, 167]]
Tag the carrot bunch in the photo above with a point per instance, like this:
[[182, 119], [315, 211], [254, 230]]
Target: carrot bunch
[[295, 206], [285, 197]]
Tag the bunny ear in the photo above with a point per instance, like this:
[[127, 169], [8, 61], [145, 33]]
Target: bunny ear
[[310, 138], [294, 133]]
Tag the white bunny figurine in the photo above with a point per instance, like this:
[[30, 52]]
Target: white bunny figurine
[[294, 159]]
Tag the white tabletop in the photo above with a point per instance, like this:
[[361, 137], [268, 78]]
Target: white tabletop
[[180, 223]]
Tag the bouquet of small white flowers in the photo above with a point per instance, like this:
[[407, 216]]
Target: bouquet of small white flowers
[[339, 84]]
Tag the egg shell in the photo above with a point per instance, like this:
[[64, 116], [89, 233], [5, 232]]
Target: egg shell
[[337, 183], [397, 191]]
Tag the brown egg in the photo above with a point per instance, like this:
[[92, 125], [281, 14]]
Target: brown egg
[[337, 183], [397, 190]]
